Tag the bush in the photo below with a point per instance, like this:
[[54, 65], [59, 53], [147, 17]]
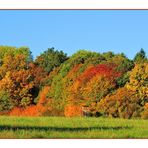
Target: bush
[[72, 110], [5, 101]]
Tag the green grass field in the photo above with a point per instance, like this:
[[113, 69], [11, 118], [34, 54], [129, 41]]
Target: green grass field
[[61, 127]]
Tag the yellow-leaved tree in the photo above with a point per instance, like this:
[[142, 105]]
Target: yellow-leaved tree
[[139, 82]]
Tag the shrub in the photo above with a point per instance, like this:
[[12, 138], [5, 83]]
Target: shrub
[[72, 110], [5, 101]]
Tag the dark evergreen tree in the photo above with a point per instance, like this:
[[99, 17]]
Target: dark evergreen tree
[[50, 59], [140, 56]]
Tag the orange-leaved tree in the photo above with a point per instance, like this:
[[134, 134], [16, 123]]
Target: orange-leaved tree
[[123, 103]]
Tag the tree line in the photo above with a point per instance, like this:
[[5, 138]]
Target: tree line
[[84, 84]]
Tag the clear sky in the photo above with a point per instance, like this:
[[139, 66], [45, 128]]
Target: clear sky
[[71, 30]]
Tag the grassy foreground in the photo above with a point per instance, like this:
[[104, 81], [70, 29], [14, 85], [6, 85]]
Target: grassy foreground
[[61, 127]]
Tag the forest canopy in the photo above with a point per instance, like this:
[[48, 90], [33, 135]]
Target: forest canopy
[[84, 84]]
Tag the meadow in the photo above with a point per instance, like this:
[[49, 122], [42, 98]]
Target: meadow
[[79, 127]]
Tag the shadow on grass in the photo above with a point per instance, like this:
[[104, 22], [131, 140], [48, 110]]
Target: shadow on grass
[[61, 129]]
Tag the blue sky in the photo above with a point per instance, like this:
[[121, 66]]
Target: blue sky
[[71, 30]]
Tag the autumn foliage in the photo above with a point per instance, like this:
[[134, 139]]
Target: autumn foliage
[[84, 84], [131, 100], [33, 110], [73, 110], [144, 114], [122, 104], [107, 70], [29, 111]]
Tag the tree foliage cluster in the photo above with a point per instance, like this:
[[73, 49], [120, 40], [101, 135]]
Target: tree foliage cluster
[[84, 84]]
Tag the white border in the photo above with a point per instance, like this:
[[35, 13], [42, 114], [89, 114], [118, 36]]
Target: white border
[[73, 4], [74, 143]]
